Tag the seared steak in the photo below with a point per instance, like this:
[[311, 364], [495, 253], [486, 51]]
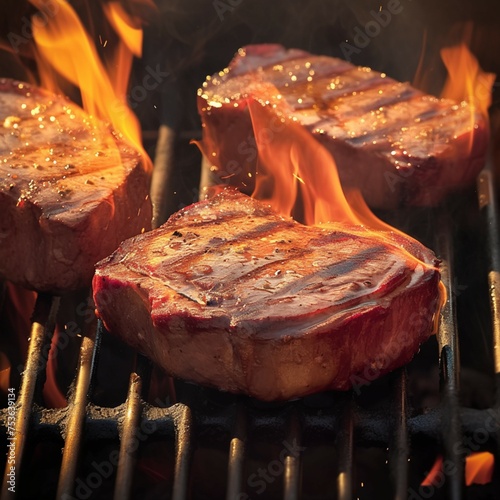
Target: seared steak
[[390, 140], [70, 190], [229, 294]]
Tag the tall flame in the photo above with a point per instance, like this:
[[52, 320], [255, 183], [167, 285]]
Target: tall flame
[[291, 163], [63, 45], [297, 174], [128, 29], [466, 80]]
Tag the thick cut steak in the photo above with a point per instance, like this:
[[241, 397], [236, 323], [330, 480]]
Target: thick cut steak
[[390, 140], [70, 190], [229, 294]]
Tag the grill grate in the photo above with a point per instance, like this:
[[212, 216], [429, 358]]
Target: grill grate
[[343, 424]]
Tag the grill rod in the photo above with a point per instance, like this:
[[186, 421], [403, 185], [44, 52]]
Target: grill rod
[[399, 454], [291, 477], [44, 320], [487, 185], [129, 432], [126, 461], [237, 455], [345, 446], [449, 363], [488, 205], [183, 440], [76, 422]]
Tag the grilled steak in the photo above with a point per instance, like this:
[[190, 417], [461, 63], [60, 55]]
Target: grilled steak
[[229, 294], [70, 191], [393, 142]]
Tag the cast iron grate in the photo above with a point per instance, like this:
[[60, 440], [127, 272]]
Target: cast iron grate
[[343, 424]]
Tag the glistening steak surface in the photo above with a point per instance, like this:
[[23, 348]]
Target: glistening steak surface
[[70, 190], [390, 140], [229, 294]]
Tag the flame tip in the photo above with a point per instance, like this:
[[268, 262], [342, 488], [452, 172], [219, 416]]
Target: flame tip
[[64, 48]]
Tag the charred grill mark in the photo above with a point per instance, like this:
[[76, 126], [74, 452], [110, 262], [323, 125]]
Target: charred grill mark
[[185, 261], [334, 270]]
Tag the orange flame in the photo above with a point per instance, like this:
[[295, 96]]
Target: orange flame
[[131, 36], [51, 393], [128, 28], [466, 80], [63, 45], [478, 470], [437, 470], [296, 173]]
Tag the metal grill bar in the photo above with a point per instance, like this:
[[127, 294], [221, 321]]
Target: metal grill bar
[[44, 318], [345, 447], [293, 461], [126, 461], [449, 361], [371, 426], [183, 442], [400, 453], [237, 455], [128, 433], [489, 206], [76, 423]]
